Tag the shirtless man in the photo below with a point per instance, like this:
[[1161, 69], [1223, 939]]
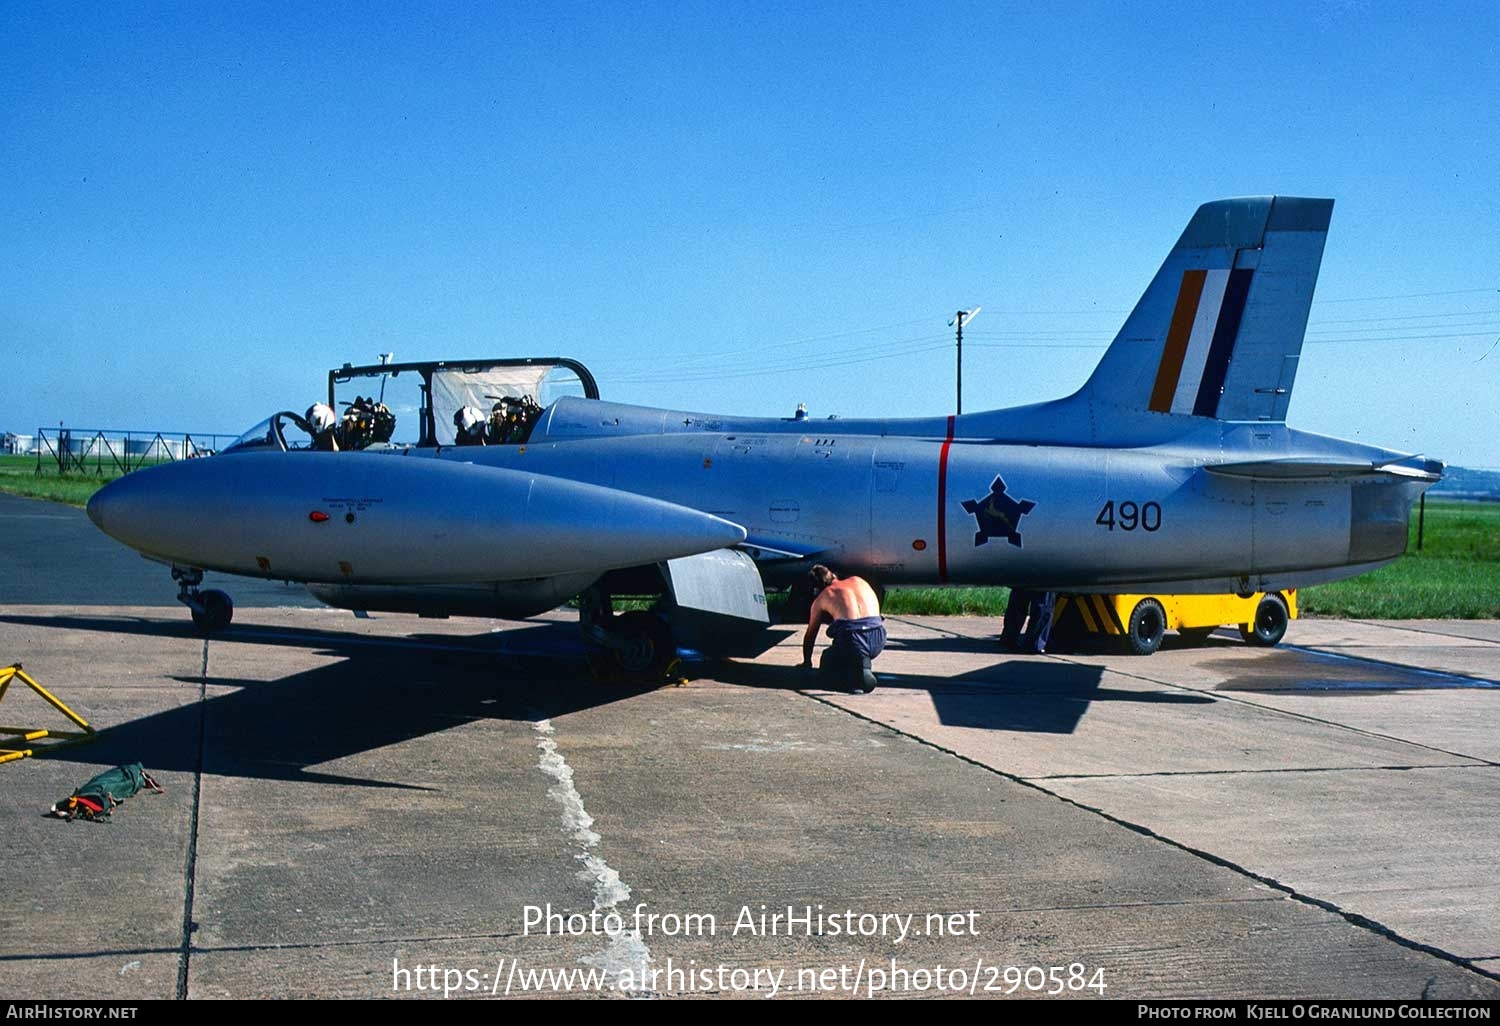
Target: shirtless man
[[852, 612]]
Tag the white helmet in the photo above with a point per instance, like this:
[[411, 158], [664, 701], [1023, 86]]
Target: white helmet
[[320, 417], [469, 421]]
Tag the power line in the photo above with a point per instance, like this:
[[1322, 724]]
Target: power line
[[1405, 317], [761, 372], [702, 367], [1039, 345], [1054, 333], [931, 344], [889, 350], [860, 349], [1004, 336], [928, 344], [1405, 338], [1490, 325], [1410, 295], [1116, 312], [1309, 341], [761, 348]]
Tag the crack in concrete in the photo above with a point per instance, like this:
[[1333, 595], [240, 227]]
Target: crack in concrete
[[1353, 918], [1425, 630], [1455, 675], [1246, 772], [1304, 717], [190, 867]]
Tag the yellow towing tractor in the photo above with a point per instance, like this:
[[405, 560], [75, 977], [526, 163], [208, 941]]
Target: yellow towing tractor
[[1142, 620]]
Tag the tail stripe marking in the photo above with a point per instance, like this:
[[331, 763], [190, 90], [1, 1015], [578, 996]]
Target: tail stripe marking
[[1200, 340], [942, 506], [1212, 387], [1177, 340]]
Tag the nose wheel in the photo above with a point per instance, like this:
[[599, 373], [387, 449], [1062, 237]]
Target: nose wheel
[[212, 610]]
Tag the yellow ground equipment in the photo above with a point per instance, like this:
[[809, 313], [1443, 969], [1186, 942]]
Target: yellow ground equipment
[[1142, 620], [10, 737]]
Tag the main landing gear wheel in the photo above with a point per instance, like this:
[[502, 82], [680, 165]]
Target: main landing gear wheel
[[1148, 623], [646, 644], [1269, 625], [635, 646], [798, 605]]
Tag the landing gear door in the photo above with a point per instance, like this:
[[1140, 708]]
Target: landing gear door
[[720, 602]]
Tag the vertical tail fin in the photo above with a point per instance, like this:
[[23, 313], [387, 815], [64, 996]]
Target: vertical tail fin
[[1219, 331]]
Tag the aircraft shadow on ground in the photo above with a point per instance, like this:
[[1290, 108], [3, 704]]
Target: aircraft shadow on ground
[[375, 696], [1300, 671], [1028, 695], [520, 638], [385, 691], [1095, 645], [949, 643]]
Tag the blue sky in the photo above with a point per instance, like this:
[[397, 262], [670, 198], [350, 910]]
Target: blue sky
[[728, 207]]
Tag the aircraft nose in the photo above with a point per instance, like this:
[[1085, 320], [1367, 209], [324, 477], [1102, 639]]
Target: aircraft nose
[[128, 509], [149, 509], [95, 507]]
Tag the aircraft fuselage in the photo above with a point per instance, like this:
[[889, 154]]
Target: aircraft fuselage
[[961, 511]]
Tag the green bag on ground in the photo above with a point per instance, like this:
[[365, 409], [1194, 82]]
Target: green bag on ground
[[101, 793]]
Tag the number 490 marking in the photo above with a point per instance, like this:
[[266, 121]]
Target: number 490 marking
[[1127, 516]]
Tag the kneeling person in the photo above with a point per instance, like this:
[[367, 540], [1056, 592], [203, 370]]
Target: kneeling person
[[852, 612]]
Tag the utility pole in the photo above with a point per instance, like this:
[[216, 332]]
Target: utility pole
[[961, 318]]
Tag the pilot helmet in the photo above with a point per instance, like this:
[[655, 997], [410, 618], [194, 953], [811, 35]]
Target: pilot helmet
[[468, 420], [320, 416]]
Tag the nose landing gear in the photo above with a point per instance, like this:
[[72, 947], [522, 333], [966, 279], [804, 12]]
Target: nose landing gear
[[212, 609]]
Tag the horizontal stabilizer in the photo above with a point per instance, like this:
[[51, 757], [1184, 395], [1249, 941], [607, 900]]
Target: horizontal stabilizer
[[1414, 467]]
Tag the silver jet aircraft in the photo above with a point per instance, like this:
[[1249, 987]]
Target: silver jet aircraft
[[1171, 470]]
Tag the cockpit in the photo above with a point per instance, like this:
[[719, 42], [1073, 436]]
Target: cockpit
[[425, 405], [279, 432]]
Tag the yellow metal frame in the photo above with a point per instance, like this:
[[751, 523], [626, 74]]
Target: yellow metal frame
[[25, 735], [1110, 614]]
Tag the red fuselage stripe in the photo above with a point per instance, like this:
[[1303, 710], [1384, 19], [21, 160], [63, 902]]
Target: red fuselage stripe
[[942, 503]]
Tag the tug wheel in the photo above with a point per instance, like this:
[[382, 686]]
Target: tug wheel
[[1269, 625], [1148, 623]]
